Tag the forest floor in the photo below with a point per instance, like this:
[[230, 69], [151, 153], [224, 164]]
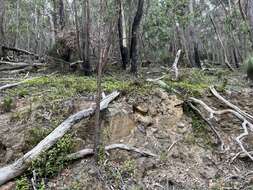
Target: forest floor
[[144, 116]]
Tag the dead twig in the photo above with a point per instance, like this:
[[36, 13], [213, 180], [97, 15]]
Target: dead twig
[[245, 123]]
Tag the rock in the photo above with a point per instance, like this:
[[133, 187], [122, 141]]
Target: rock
[[161, 94], [92, 172], [9, 186], [120, 122], [144, 120], [208, 172], [142, 109], [152, 111], [144, 164], [180, 125]]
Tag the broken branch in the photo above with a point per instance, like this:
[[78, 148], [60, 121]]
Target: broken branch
[[87, 152]]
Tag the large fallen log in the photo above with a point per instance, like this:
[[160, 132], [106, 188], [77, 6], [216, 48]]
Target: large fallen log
[[87, 152], [9, 66], [18, 167], [22, 51]]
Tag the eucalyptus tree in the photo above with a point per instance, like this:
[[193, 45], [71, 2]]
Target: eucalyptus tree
[[2, 37], [134, 37]]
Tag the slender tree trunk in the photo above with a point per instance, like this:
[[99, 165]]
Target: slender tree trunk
[[54, 17], [134, 39], [250, 18], [77, 30], [61, 15], [17, 24], [86, 38], [194, 49], [122, 35], [2, 39]]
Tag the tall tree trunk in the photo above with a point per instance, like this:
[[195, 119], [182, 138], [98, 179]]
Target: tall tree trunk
[[17, 24], [2, 39], [134, 40], [86, 38], [77, 30], [54, 17], [61, 14], [250, 18], [194, 49], [122, 35]]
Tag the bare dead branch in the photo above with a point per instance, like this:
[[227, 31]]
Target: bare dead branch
[[230, 105], [245, 122], [88, 152]]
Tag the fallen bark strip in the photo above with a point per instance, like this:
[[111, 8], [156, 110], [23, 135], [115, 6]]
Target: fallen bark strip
[[18, 167], [230, 105], [87, 152], [245, 123]]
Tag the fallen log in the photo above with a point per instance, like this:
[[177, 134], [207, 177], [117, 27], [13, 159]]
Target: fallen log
[[18, 167], [7, 86], [87, 152], [21, 63], [22, 51], [9, 66]]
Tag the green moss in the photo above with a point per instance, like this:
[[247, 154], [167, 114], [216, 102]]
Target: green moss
[[22, 184], [54, 160], [201, 134], [22, 93], [188, 88]]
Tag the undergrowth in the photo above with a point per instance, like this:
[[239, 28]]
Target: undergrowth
[[49, 163], [201, 134], [54, 160], [196, 82]]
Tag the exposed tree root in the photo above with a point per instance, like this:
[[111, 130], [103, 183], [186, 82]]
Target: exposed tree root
[[18, 167], [87, 152], [230, 105], [220, 141], [245, 123]]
